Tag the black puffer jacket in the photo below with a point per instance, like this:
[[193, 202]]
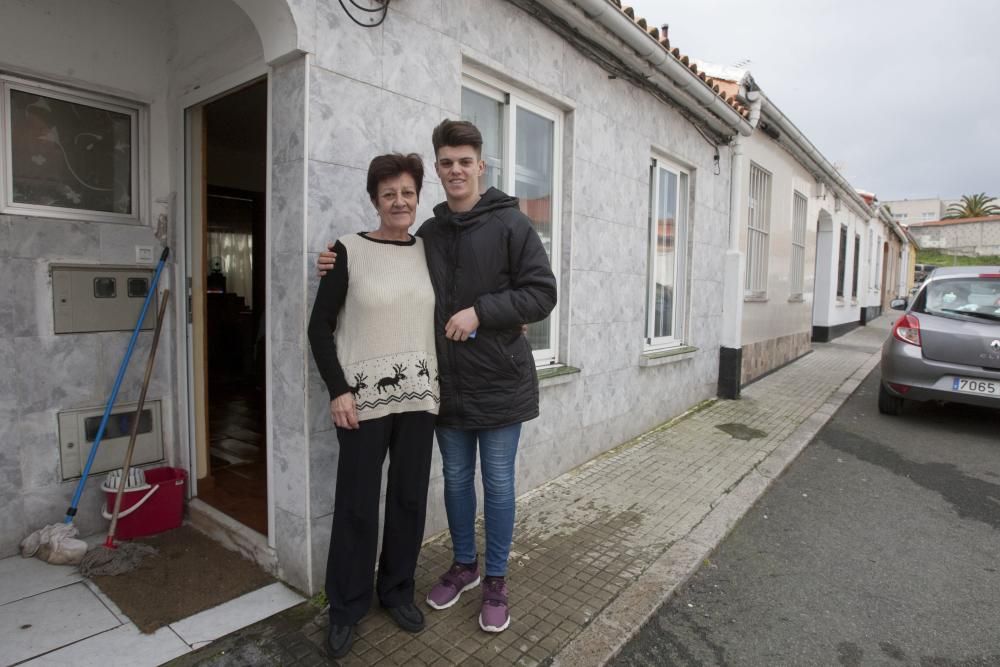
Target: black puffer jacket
[[489, 258]]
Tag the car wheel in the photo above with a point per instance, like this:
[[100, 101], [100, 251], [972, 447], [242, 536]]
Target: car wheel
[[889, 404]]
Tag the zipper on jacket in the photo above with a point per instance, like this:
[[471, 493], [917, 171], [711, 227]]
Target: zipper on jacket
[[452, 350]]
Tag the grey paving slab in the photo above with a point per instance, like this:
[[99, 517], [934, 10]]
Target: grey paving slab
[[35, 625], [598, 549], [24, 577]]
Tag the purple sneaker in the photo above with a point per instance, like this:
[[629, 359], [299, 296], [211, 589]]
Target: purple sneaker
[[458, 579], [494, 616]]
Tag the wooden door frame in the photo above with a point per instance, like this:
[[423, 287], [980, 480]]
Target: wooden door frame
[[186, 405]]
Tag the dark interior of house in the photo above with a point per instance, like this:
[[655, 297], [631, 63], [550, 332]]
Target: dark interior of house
[[236, 158]]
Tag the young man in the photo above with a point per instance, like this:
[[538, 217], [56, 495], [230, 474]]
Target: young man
[[490, 275]]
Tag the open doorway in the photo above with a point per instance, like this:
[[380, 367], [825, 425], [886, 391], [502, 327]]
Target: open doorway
[[228, 181]]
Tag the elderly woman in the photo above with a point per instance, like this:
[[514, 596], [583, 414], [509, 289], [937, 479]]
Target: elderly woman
[[372, 336]]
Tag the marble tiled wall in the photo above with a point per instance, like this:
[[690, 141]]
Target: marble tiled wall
[[286, 318], [382, 89], [44, 374], [370, 92]]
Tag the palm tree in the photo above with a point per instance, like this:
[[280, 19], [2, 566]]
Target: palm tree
[[973, 206]]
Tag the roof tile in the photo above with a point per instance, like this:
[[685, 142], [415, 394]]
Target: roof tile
[[955, 221], [660, 35]]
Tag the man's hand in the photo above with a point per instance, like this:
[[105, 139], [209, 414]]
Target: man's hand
[[461, 325], [344, 412], [326, 260]]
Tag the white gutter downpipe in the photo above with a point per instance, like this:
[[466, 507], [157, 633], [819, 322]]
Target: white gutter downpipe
[[709, 106], [731, 353], [650, 50], [736, 182]]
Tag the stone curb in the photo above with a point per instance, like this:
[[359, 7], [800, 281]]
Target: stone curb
[[624, 617]]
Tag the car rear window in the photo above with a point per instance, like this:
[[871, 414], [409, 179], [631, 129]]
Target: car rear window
[[971, 297]]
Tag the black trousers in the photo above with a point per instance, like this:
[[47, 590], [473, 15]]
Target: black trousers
[[350, 565]]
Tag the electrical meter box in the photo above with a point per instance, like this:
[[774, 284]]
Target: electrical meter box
[[90, 298], [78, 430]]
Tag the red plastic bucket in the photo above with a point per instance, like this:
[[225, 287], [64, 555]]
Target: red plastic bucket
[[156, 507]]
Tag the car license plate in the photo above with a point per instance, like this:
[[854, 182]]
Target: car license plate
[[974, 386]]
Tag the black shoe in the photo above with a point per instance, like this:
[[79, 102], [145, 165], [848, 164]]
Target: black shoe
[[408, 617], [339, 640]]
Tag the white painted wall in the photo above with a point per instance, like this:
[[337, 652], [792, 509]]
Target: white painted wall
[[825, 285], [777, 316], [909, 211], [830, 309]]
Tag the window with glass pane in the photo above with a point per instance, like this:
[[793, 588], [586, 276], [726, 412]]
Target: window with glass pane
[[520, 144], [486, 113], [66, 153], [871, 263], [842, 261], [857, 264], [798, 268], [758, 231], [533, 187], [667, 231]]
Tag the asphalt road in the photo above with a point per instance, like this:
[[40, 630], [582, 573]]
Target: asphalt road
[[880, 545]]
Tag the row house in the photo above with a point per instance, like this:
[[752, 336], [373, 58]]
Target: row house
[[699, 240], [238, 133], [809, 257]]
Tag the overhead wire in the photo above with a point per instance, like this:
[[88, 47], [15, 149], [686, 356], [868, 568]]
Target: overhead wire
[[616, 69], [384, 8]]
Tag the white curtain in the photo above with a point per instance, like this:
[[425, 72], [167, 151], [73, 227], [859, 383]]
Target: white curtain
[[236, 251]]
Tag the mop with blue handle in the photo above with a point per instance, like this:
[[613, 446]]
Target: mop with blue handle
[[48, 542], [112, 558]]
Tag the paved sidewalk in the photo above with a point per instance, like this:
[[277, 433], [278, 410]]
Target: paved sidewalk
[[599, 548]]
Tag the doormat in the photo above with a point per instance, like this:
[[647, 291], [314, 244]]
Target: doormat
[[191, 573]]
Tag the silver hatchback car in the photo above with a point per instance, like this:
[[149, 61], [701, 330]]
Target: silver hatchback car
[[946, 345]]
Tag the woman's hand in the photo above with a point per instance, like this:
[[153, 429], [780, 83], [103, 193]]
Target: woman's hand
[[344, 412], [326, 260]]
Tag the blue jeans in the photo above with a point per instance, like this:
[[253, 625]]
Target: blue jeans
[[497, 449]]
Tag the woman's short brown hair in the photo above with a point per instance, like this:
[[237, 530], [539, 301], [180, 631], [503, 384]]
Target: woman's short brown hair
[[457, 133], [392, 165]]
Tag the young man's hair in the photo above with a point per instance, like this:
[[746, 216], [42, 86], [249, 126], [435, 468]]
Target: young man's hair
[[457, 133], [392, 165]]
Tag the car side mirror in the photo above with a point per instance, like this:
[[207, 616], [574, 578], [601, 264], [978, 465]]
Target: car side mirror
[[898, 304]]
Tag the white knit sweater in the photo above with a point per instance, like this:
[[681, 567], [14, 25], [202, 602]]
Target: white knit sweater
[[384, 328]]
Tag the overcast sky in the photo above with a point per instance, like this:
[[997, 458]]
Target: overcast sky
[[901, 94]]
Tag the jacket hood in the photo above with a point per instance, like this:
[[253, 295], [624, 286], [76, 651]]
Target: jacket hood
[[491, 200]]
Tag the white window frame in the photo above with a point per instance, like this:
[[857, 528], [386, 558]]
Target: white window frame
[[855, 274], [800, 216], [840, 288], [878, 262], [678, 322], [512, 99], [871, 261], [135, 111], [760, 184]]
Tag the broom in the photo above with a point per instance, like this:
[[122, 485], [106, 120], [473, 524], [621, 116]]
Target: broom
[[56, 543], [111, 559]]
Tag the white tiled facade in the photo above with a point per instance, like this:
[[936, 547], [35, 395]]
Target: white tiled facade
[[341, 96]]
